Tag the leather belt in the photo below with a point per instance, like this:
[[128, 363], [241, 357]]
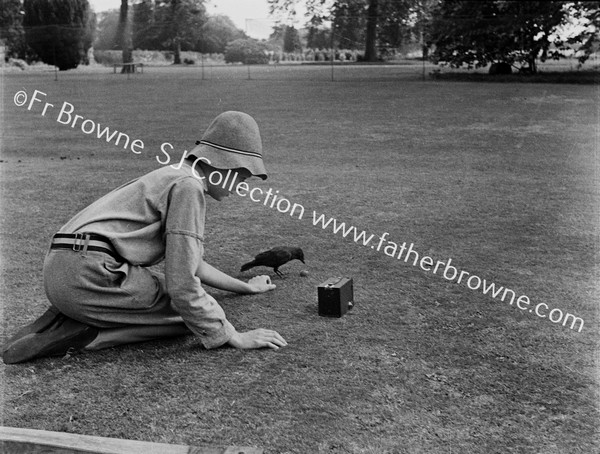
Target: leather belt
[[83, 242]]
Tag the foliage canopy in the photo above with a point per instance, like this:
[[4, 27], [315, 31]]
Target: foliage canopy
[[59, 31], [11, 28], [248, 51], [478, 33]]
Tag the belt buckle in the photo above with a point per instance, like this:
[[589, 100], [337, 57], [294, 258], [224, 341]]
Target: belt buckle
[[77, 245]]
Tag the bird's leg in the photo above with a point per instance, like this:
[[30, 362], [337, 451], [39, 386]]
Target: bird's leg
[[278, 273]]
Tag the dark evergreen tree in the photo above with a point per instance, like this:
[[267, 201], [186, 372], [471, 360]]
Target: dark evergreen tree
[[291, 40], [145, 30], [58, 31]]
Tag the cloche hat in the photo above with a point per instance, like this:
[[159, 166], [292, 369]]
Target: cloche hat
[[232, 141]]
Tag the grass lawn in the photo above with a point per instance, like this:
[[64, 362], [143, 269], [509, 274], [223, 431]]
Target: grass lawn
[[500, 177]]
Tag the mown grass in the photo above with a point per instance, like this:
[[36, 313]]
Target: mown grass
[[502, 178]]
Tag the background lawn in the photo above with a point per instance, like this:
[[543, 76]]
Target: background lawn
[[502, 178]]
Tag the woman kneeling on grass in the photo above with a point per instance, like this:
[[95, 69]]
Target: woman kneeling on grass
[[96, 273]]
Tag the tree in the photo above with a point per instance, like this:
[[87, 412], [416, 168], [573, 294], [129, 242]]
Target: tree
[[124, 37], [583, 38], [397, 21], [217, 32], [58, 31], [421, 16], [88, 38], [145, 32], [371, 33], [291, 40], [106, 34], [527, 28], [249, 51], [11, 28], [183, 21], [276, 35], [478, 33], [318, 37], [174, 25], [369, 23], [349, 23]]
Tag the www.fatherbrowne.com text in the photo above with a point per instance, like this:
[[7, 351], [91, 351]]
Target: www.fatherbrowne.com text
[[272, 199], [395, 250]]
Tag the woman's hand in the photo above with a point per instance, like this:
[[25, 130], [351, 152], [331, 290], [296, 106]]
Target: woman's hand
[[258, 338], [260, 284], [209, 275]]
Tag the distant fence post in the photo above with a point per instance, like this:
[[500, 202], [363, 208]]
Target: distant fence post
[[202, 64], [423, 56]]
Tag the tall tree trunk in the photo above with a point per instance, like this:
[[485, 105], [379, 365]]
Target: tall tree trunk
[[124, 31], [371, 38], [532, 64], [177, 52], [175, 4]]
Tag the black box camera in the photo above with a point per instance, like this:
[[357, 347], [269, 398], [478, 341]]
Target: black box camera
[[336, 296]]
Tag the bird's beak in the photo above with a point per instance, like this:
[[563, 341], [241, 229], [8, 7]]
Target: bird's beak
[[302, 260]]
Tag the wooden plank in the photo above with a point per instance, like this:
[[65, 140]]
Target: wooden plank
[[30, 441]]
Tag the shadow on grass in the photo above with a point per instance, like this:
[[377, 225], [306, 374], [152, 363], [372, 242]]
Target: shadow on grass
[[588, 77]]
